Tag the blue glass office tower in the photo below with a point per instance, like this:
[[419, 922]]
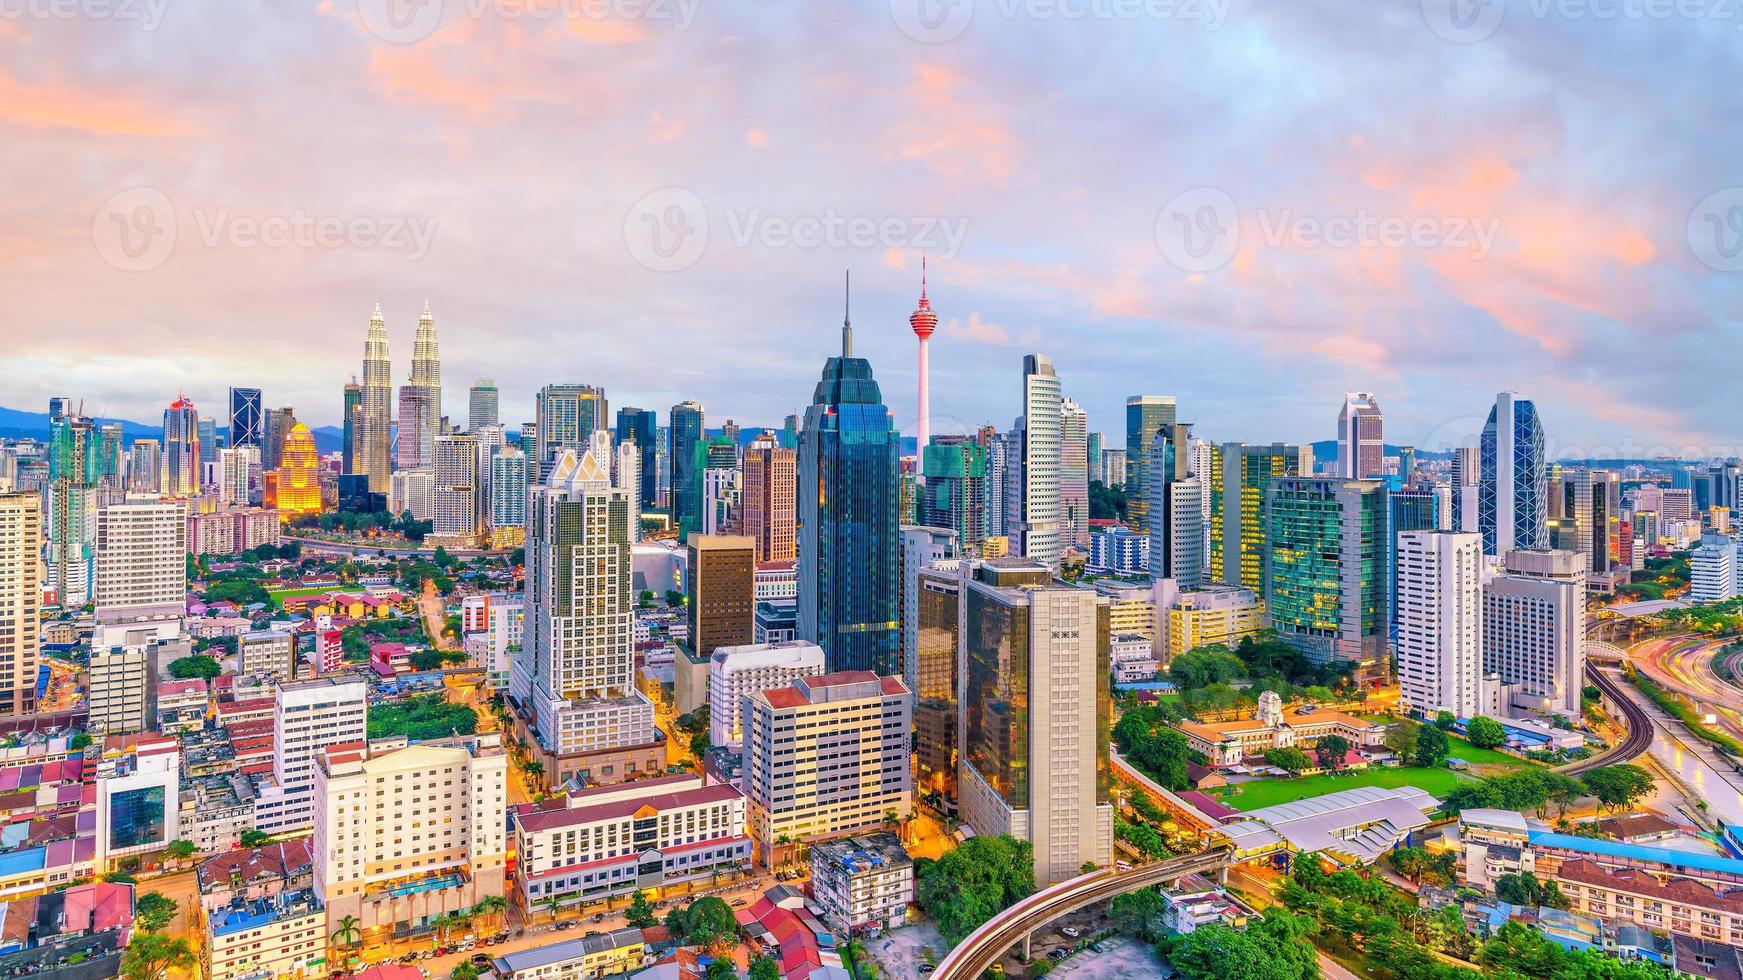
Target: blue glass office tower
[[685, 434], [642, 427], [1513, 490], [849, 535], [248, 418]]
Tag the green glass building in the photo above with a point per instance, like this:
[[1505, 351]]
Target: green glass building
[[1325, 582]]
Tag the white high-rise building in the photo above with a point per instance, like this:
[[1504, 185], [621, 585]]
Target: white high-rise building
[[1361, 446], [1073, 475], [142, 581], [238, 474], [1534, 635], [406, 833], [308, 716], [573, 684], [1440, 622], [1038, 483], [737, 672], [458, 498], [628, 477], [1713, 569], [508, 489], [826, 756], [20, 600], [413, 490]]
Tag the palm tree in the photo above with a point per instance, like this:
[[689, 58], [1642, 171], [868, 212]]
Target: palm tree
[[347, 934], [533, 770], [785, 840], [492, 905], [551, 902]]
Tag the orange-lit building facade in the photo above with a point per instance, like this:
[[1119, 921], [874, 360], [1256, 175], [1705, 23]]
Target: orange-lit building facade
[[294, 489]]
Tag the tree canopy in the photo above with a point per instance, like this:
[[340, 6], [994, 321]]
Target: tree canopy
[[1485, 732], [195, 665], [974, 882]]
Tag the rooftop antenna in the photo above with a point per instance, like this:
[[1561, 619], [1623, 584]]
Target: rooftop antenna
[[847, 314]]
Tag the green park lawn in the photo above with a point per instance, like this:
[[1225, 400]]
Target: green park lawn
[[1462, 749], [282, 594], [1270, 792]]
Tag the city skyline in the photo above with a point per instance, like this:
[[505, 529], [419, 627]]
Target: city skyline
[[1593, 253]]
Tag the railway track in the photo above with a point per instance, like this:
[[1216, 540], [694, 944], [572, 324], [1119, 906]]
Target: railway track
[[986, 945], [1639, 725]]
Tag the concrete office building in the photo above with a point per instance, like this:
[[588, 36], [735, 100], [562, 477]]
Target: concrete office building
[[1032, 717], [1361, 443], [20, 600], [414, 491], [308, 716], [1073, 475], [769, 498], [482, 405], [736, 672], [405, 833], [722, 592], [267, 654], [1039, 502], [825, 757], [1209, 614], [458, 497], [142, 581], [1534, 634], [1440, 622], [122, 688], [1713, 569]]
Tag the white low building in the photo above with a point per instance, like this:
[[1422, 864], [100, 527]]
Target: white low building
[[737, 671]]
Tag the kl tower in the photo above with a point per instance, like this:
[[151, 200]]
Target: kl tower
[[924, 322]]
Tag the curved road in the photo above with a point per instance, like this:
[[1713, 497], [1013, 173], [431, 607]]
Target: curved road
[[985, 946], [1684, 664]]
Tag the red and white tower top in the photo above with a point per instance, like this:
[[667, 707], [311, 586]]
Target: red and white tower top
[[923, 319]]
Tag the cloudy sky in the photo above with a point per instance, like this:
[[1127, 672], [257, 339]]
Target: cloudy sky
[[1253, 205]]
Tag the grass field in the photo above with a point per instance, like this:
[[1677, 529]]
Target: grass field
[[1462, 749], [1271, 792], [299, 593]]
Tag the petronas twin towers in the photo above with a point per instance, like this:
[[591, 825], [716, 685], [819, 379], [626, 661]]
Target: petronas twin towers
[[420, 403]]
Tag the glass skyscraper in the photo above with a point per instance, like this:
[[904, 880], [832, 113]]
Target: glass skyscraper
[[850, 550], [1145, 416], [247, 417], [642, 427], [685, 433], [1324, 589], [1513, 491]]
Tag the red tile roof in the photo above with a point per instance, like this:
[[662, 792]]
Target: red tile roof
[[553, 819]]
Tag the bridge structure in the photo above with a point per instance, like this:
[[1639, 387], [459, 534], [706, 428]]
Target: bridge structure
[[976, 954]]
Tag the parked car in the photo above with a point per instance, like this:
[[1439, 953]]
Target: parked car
[[738, 903], [1059, 952], [926, 968], [479, 959], [1071, 932]]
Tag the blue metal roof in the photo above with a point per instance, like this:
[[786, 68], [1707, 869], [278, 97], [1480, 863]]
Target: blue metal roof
[[1638, 852], [20, 862]]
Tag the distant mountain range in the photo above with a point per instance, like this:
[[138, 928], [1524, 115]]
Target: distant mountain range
[[15, 424]]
